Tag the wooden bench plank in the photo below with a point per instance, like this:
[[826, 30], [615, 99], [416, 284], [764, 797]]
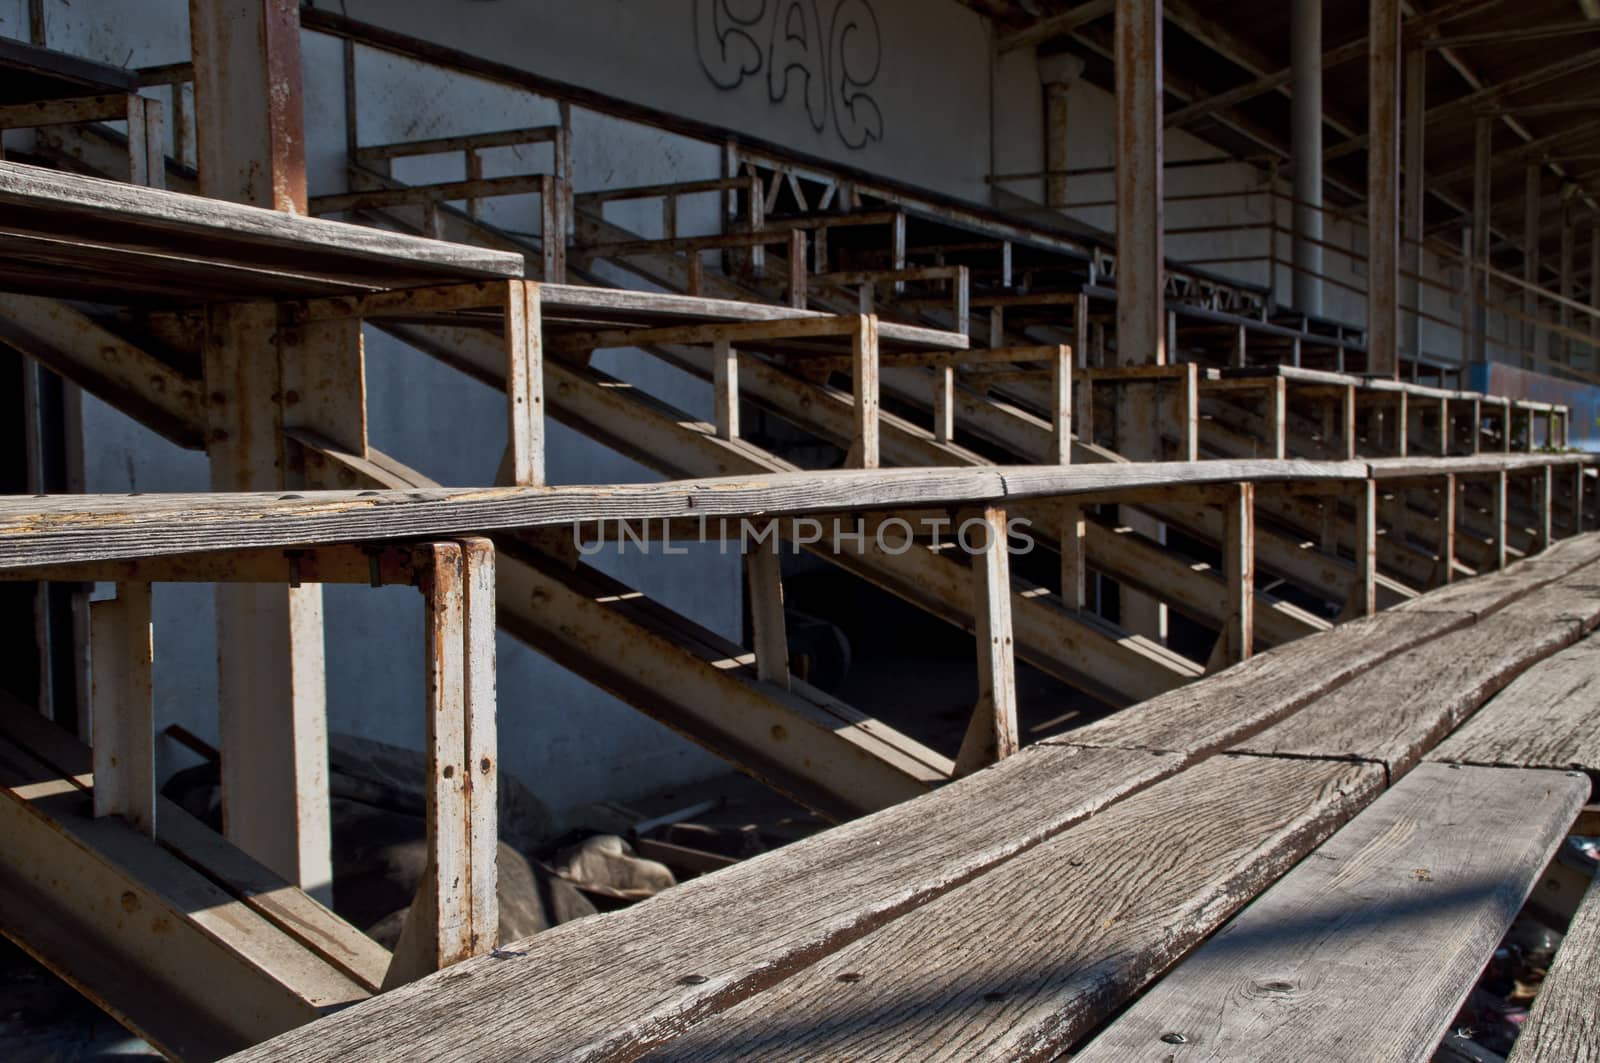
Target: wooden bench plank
[[1367, 949], [1396, 712], [1547, 718], [610, 987], [1574, 597], [1227, 707], [1487, 593], [1025, 960], [99, 225], [1259, 693], [1564, 1025], [66, 528]]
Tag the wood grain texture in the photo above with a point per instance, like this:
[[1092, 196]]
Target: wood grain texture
[[61, 529], [1474, 465], [1397, 711], [98, 226], [581, 306], [1227, 707], [1573, 597], [1484, 594], [1366, 950], [1023, 961], [1546, 718], [1564, 1025], [285, 906], [604, 988]]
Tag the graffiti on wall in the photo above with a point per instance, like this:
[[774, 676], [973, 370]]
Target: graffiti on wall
[[828, 65]]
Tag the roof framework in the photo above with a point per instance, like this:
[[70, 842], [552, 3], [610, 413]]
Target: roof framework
[[1528, 68]]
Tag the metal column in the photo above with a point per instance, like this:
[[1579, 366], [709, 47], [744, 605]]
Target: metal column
[[250, 132], [1141, 331], [250, 125], [1593, 359], [1482, 200], [1530, 263], [1383, 188], [1416, 136], [1141, 316], [1569, 289], [1305, 99]]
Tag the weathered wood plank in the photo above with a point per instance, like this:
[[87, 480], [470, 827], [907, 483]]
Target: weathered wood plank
[[548, 998], [1257, 693], [1474, 465], [574, 306], [1546, 718], [1025, 960], [90, 528], [1573, 597], [280, 903], [1487, 593], [1365, 950], [1564, 1025], [1399, 710], [77, 347], [91, 221], [34, 72], [74, 877]]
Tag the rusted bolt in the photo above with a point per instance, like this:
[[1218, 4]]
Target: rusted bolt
[[130, 901], [291, 397], [449, 771], [778, 732], [484, 765]]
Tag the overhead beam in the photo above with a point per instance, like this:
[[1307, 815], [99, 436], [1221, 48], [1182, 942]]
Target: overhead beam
[[1530, 151], [1513, 36], [1278, 80], [1055, 26], [1474, 101]]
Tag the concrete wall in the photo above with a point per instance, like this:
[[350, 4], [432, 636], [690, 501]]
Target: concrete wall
[[896, 87]]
